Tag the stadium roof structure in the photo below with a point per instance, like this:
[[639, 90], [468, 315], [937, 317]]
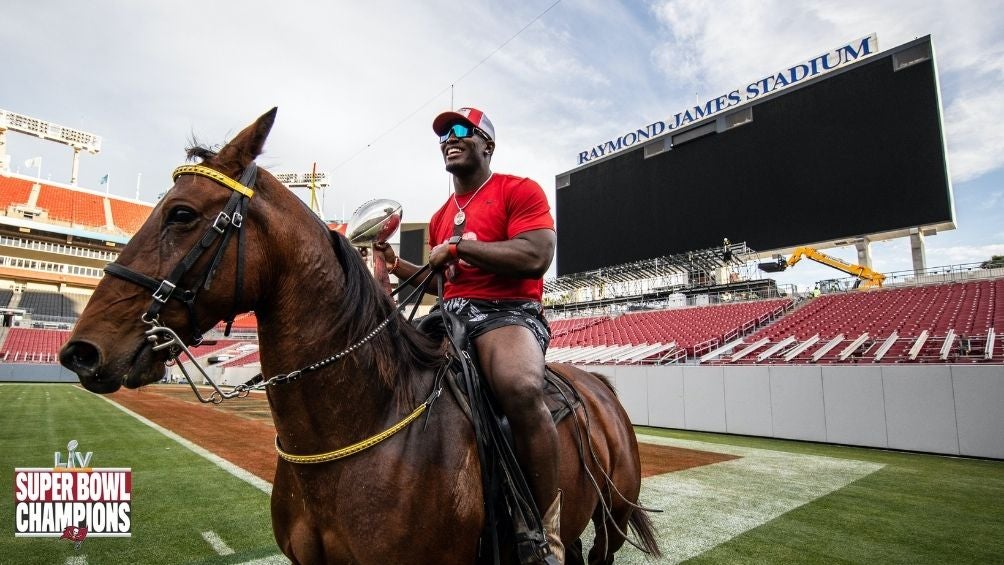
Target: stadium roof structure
[[733, 255]]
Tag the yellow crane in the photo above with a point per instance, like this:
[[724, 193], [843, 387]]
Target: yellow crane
[[867, 278]]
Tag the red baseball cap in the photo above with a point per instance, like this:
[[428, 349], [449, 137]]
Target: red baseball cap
[[472, 116]]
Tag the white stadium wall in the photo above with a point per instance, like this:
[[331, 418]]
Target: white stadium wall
[[947, 409], [36, 373]]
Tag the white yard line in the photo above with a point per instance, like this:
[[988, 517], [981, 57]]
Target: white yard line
[[219, 546], [706, 506], [220, 462], [270, 560]]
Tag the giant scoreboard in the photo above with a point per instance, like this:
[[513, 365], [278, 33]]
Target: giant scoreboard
[[856, 151]]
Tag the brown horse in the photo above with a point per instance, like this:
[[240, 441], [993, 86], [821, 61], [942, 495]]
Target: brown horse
[[415, 497]]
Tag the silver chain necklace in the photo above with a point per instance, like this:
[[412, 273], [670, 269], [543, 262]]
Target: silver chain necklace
[[460, 218]]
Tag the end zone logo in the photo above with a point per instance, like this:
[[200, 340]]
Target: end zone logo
[[72, 500]]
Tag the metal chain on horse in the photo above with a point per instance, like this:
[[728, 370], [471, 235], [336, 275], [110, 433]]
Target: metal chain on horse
[[175, 348], [259, 383], [164, 337]]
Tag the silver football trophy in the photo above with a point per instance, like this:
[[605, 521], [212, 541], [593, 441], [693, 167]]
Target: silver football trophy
[[374, 222]]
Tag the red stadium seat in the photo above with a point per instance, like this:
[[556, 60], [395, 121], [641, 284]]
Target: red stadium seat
[[129, 216], [24, 345], [13, 191], [76, 208], [968, 308]]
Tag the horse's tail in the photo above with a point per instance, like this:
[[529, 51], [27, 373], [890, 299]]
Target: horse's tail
[[639, 521], [641, 525]]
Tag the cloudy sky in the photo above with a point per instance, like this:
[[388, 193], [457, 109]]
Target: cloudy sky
[[358, 83]]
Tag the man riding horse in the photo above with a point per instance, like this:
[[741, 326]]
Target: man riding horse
[[494, 238]]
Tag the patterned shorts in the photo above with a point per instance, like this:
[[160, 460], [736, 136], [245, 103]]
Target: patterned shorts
[[482, 316]]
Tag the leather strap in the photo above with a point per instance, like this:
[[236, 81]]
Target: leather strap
[[228, 220]]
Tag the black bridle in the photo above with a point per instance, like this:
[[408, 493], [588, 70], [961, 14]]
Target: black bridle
[[227, 223]]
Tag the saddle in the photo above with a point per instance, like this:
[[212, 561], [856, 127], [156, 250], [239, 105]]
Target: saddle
[[559, 396], [509, 502]]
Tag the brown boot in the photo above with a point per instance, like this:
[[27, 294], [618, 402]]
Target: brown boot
[[552, 529]]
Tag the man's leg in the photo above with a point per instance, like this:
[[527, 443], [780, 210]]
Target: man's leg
[[513, 364]]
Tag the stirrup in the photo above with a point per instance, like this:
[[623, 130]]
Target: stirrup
[[532, 549]]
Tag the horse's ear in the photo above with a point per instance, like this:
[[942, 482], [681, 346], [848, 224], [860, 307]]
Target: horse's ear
[[249, 143]]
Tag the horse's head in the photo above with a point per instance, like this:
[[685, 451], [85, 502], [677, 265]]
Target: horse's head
[[187, 243]]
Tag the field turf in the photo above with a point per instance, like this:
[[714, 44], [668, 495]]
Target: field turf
[[177, 495], [878, 506], [916, 508]]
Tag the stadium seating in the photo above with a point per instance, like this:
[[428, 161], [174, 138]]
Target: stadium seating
[[897, 325], [564, 326], [78, 302], [24, 345], [5, 295], [208, 348], [129, 216], [692, 330], [250, 359], [75, 208], [243, 323], [13, 191], [44, 303]]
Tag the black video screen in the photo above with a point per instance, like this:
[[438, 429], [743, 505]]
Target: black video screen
[[856, 153]]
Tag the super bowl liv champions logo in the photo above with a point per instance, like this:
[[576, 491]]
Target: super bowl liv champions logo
[[73, 500]]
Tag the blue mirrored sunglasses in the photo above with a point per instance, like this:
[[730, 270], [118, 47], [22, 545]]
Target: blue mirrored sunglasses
[[461, 131]]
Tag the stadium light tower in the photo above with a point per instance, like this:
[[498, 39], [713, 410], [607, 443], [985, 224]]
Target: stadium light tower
[[78, 140], [312, 181]]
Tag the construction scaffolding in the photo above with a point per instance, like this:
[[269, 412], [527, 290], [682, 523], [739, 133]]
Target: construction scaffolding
[[657, 278]]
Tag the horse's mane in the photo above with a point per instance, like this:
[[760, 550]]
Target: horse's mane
[[399, 349]]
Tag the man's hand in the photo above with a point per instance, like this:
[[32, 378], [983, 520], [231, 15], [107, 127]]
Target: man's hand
[[385, 250], [440, 256]]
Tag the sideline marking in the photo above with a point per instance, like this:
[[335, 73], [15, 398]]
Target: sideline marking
[[276, 559], [220, 462], [253, 480], [704, 507], [76, 560], [219, 546]]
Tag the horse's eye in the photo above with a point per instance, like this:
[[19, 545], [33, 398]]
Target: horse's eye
[[181, 215]]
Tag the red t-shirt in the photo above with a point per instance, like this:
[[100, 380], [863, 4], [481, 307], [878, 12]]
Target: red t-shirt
[[505, 207]]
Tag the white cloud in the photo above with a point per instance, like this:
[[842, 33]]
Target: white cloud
[[963, 253], [975, 142]]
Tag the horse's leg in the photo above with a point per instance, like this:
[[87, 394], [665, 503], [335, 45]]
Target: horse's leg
[[573, 553], [608, 533]]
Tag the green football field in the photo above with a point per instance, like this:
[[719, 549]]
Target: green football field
[[177, 495], [776, 502]]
